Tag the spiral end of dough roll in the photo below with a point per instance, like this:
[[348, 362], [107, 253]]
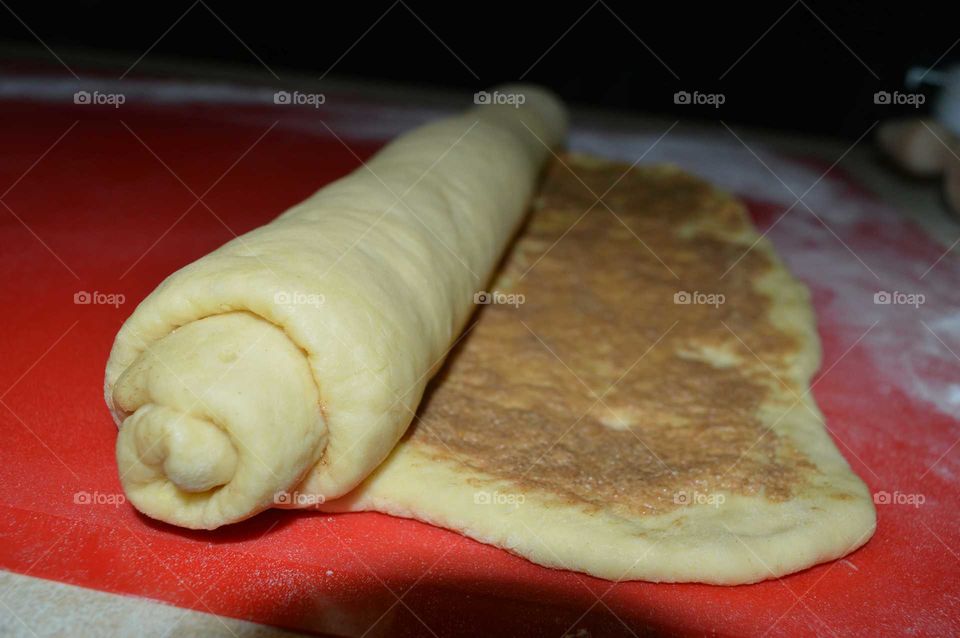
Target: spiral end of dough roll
[[217, 418]]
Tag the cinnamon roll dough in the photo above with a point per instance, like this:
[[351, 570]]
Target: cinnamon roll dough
[[634, 405]]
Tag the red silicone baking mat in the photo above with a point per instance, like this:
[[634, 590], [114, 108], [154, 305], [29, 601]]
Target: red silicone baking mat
[[99, 204]]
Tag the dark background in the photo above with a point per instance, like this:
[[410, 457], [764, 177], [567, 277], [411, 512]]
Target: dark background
[[803, 74]]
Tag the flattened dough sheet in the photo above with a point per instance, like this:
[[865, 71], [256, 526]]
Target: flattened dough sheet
[[636, 405]]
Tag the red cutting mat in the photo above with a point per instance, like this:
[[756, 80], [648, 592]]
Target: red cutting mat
[[105, 211]]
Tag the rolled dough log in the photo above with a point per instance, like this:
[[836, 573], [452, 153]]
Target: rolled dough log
[[296, 355]]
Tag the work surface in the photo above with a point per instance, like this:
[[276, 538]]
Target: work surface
[[101, 203]]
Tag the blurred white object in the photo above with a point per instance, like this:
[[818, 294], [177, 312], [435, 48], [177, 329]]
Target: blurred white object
[[917, 146], [929, 148], [946, 107]]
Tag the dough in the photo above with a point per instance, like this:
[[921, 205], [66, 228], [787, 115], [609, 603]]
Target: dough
[[298, 352], [644, 413]]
